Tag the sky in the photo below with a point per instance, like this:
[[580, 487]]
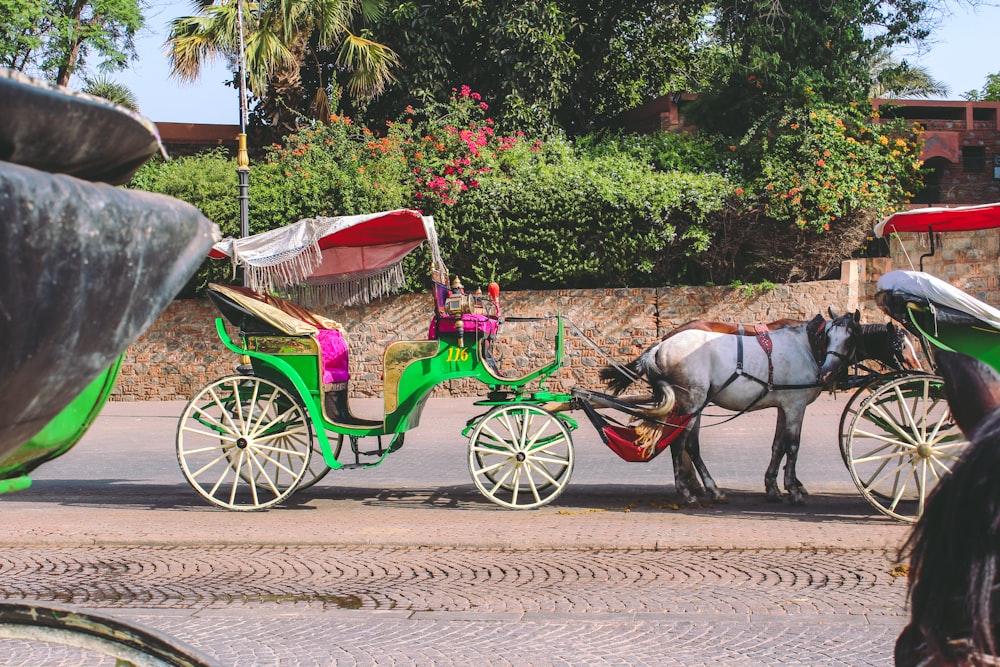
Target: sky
[[961, 55]]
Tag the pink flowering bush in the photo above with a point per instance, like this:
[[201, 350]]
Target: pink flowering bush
[[449, 147]]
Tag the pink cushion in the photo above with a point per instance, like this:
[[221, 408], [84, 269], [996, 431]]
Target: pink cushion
[[473, 323], [333, 351]]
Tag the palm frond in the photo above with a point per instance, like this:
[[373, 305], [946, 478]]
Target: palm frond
[[370, 64]]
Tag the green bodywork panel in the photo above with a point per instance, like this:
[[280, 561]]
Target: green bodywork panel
[[412, 369], [980, 342], [60, 434]]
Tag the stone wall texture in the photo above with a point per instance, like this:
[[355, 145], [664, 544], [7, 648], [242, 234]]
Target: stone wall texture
[[181, 352], [967, 260]]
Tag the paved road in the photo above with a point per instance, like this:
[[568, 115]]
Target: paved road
[[406, 564]]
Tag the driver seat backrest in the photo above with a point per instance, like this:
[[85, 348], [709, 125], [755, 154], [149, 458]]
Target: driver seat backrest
[[440, 292]]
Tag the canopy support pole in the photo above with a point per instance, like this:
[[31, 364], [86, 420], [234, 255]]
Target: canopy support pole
[[930, 234]]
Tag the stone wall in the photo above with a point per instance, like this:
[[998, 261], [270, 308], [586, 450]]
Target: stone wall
[[181, 352], [967, 260]]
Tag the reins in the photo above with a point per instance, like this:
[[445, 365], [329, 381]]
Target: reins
[[818, 349], [604, 355]]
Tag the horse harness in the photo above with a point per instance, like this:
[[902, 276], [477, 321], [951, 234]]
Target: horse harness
[[817, 346]]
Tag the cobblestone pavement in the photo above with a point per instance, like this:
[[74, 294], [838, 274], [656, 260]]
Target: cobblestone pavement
[[408, 565], [413, 606]]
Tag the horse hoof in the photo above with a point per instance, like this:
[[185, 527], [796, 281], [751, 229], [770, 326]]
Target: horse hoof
[[796, 499], [719, 497], [773, 497]]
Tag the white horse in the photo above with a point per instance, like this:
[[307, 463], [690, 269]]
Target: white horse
[[785, 369]]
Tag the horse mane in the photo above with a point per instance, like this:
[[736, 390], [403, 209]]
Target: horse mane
[[954, 552], [883, 343]]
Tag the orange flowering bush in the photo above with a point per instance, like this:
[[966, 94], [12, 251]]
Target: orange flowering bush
[[825, 164]]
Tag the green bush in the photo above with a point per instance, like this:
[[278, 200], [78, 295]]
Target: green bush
[[207, 181], [784, 204], [549, 217]]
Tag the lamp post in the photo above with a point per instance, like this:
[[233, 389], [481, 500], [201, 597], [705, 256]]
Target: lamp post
[[242, 157]]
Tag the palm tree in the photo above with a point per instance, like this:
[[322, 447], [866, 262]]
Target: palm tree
[[282, 37], [898, 79], [120, 94]]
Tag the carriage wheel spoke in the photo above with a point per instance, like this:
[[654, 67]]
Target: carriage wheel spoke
[[520, 456], [904, 418], [264, 441]]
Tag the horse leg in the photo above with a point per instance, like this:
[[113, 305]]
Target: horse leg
[[771, 490], [792, 435], [690, 474], [796, 482], [682, 474], [693, 447]]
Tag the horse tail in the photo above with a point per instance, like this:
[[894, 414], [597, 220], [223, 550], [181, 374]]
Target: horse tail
[[663, 392], [618, 378]]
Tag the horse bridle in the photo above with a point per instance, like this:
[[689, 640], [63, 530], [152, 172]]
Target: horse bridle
[[820, 351]]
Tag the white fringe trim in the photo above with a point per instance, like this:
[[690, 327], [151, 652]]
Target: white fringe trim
[[347, 290], [280, 270]]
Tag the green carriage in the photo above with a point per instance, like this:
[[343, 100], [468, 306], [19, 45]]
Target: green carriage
[[283, 421]]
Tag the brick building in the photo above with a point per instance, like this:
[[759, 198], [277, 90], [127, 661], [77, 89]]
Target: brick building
[[961, 148]]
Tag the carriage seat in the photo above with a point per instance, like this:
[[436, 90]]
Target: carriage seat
[[951, 305], [266, 315]]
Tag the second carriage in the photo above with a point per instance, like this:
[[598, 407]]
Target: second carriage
[[897, 435]]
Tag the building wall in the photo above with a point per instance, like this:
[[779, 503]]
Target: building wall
[[960, 149]]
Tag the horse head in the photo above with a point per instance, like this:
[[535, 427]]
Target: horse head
[[834, 342]]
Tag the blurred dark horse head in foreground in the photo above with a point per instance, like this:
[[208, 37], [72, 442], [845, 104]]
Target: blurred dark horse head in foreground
[[954, 548]]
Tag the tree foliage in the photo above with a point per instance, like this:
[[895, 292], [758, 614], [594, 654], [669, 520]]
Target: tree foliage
[[899, 79], [990, 92], [54, 39], [293, 49], [784, 181], [547, 65], [111, 90], [776, 54]]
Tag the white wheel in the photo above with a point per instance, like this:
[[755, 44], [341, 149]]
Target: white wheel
[[317, 468], [521, 456], [46, 633], [244, 443], [901, 442], [854, 404]]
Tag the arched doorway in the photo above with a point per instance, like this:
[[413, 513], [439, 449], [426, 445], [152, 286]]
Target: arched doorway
[[933, 175]]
